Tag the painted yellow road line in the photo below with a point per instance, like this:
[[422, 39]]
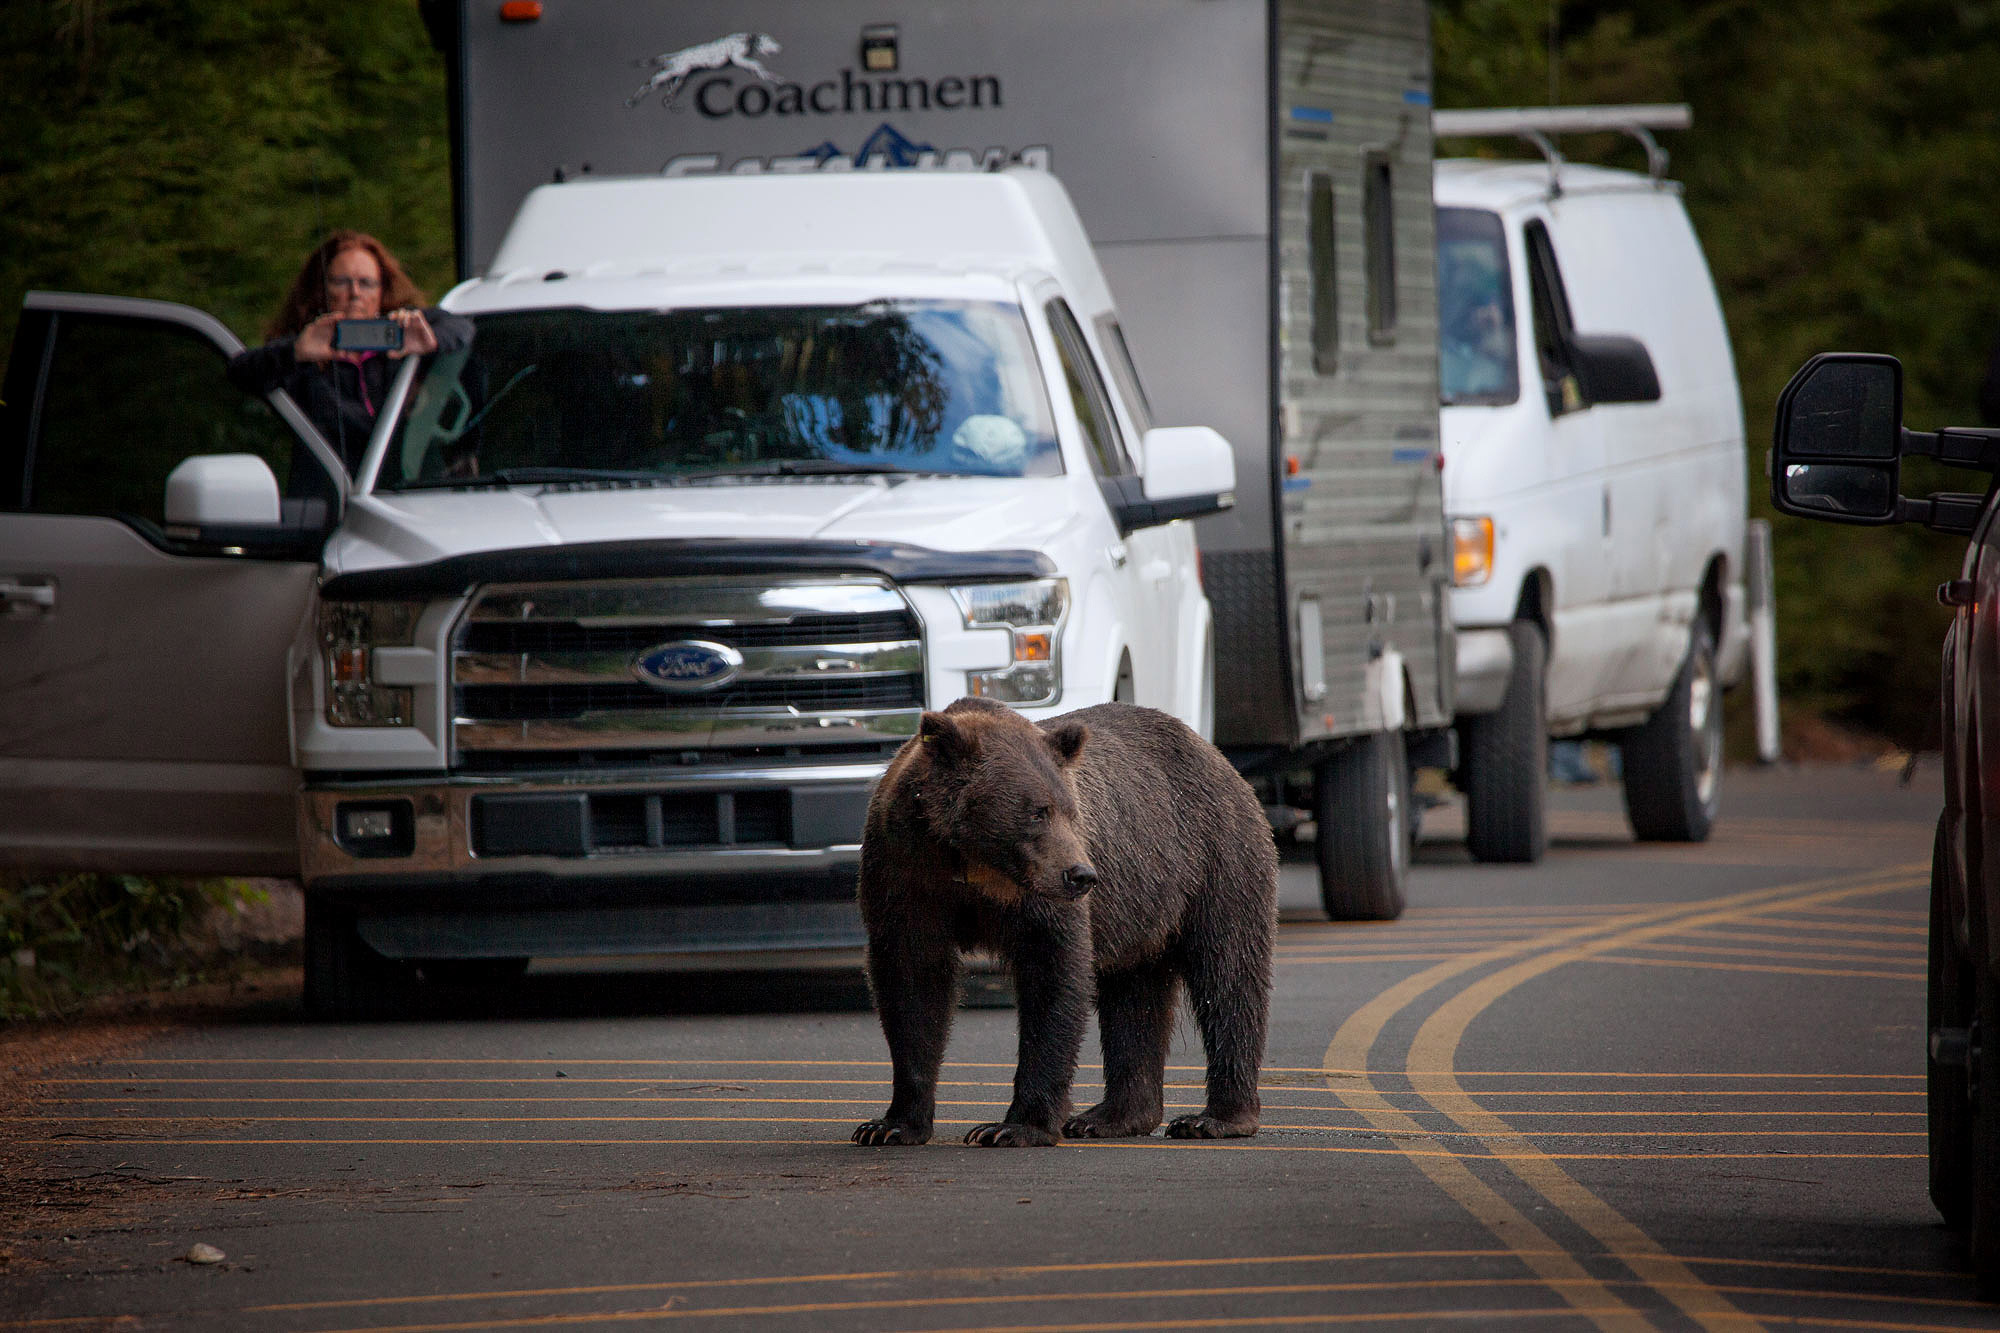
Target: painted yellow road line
[[1841, 927], [1698, 965], [1792, 955], [1436, 1045]]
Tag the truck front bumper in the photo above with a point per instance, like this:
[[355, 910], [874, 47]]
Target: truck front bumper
[[725, 861]]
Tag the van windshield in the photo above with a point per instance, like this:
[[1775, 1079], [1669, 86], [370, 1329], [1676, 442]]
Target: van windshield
[[662, 395], [1477, 362]]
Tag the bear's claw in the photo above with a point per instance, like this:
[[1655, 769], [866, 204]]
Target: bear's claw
[[1096, 1124], [1002, 1134], [886, 1133], [1209, 1127]]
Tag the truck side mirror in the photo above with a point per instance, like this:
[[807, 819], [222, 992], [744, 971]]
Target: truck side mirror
[[1612, 368], [1837, 449], [1184, 472], [230, 502]]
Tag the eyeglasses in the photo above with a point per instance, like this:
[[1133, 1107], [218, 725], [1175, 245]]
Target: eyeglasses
[[353, 284]]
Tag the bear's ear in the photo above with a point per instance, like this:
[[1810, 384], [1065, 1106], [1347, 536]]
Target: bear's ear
[[1067, 741], [942, 735]]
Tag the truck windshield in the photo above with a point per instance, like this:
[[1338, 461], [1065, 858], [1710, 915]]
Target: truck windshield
[[890, 386], [1476, 353]]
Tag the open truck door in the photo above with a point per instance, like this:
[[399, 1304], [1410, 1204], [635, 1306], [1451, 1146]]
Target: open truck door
[[149, 604]]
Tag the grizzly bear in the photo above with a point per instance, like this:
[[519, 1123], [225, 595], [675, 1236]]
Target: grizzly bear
[[1109, 854]]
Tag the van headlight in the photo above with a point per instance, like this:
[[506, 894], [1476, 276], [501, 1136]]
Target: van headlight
[[1471, 551], [1034, 613], [349, 634]]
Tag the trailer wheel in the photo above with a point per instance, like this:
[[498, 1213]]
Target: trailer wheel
[[1947, 1080], [1361, 804], [1504, 772], [344, 977], [1673, 760]]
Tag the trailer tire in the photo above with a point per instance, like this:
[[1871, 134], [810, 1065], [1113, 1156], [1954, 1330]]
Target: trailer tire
[[344, 978], [1361, 807], [1673, 760], [1504, 772]]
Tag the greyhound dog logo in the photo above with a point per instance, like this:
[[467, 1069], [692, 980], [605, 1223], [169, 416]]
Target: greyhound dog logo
[[675, 68]]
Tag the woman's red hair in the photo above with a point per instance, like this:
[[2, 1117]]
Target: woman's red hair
[[306, 301]]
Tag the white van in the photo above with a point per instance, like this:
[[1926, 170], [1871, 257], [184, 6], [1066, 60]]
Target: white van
[[1594, 478]]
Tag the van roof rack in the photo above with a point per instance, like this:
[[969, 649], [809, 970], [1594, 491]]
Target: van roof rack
[[1537, 125]]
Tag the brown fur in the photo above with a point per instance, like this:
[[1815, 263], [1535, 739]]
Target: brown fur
[[1110, 855]]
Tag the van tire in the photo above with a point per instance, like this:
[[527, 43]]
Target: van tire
[[1673, 761], [1504, 772], [344, 978], [1361, 809]]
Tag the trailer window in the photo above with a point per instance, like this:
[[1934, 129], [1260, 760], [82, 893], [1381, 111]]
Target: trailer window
[[1378, 214], [1324, 278], [947, 387], [1478, 358]]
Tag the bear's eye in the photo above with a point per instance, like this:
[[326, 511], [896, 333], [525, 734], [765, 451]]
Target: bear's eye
[[1040, 814]]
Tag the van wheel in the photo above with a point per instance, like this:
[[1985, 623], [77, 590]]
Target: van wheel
[[1361, 804], [1673, 761], [1504, 771], [344, 977], [1948, 1082]]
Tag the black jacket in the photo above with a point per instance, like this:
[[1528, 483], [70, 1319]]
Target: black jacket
[[339, 397]]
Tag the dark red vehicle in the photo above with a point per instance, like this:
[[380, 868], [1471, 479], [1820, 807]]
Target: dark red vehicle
[[1837, 456]]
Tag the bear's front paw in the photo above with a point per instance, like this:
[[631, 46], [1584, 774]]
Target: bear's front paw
[[883, 1133], [1099, 1123], [1002, 1134], [1209, 1127]]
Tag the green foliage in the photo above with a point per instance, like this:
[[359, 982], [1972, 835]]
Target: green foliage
[[1839, 171], [197, 152], [68, 937]]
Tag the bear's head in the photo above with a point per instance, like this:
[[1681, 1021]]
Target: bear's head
[[997, 790]]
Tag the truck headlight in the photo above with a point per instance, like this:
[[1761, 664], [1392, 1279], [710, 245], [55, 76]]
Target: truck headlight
[[1471, 551], [1034, 613], [349, 634]]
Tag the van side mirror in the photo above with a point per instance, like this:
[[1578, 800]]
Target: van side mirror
[[1612, 368], [1839, 442]]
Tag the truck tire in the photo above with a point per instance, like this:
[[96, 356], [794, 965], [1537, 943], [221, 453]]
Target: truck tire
[[1504, 769], [1983, 1139], [1673, 761], [1947, 1082], [1361, 806], [344, 978]]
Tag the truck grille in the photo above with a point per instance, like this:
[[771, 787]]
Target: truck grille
[[540, 671]]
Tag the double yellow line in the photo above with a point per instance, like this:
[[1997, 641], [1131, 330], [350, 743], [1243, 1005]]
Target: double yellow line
[[1430, 1064]]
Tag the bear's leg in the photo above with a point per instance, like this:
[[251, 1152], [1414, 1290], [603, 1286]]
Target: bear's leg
[[1052, 982], [915, 995], [1229, 984], [1135, 1021]]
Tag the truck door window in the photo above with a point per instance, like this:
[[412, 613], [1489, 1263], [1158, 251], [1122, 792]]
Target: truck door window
[[1478, 359], [123, 402], [1125, 371], [1325, 280], [1552, 322], [1108, 456], [1378, 215]]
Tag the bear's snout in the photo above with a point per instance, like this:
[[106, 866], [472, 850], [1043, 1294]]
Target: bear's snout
[[1078, 880]]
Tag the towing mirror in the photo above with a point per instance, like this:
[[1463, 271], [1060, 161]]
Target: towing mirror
[[1837, 449], [228, 490]]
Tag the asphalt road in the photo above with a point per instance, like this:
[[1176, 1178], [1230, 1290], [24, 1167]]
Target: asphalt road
[[1635, 1087]]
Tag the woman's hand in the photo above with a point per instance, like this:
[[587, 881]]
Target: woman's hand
[[315, 340], [418, 338]]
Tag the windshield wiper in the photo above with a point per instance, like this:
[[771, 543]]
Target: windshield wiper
[[797, 467], [535, 476]]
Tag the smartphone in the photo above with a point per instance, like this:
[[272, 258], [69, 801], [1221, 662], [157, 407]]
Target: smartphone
[[367, 335]]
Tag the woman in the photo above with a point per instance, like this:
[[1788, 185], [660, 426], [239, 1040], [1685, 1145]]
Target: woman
[[350, 276]]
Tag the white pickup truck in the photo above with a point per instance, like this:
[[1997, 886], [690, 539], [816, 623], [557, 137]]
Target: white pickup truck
[[628, 603]]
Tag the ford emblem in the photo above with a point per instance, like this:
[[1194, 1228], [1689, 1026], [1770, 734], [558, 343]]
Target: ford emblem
[[688, 666]]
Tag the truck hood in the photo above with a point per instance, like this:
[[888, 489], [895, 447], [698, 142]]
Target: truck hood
[[385, 531]]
